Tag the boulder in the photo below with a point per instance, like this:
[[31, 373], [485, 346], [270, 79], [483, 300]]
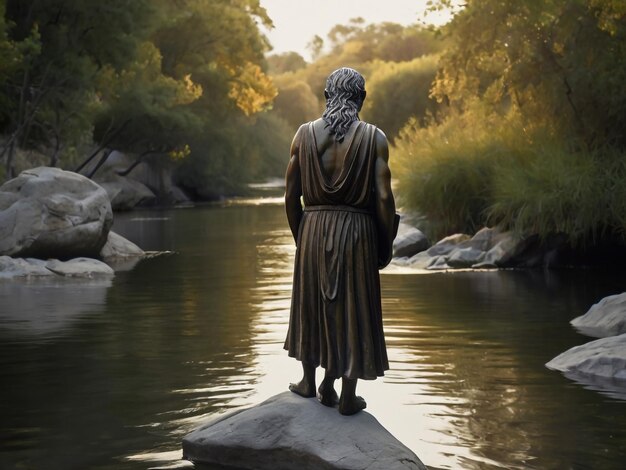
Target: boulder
[[604, 358], [51, 213], [79, 267], [288, 431], [126, 193], [439, 263], [465, 257], [606, 318], [506, 248], [421, 260], [446, 245], [119, 247], [410, 242], [485, 239], [25, 268]]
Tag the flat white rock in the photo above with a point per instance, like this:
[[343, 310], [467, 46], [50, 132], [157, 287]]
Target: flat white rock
[[606, 318], [288, 431], [79, 267], [604, 358]]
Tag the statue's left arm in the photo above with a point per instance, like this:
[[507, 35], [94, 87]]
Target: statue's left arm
[[385, 202], [293, 188]]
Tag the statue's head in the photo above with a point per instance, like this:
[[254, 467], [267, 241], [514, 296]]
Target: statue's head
[[345, 93]]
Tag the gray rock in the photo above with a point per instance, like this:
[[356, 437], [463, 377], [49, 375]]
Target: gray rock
[[485, 239], [51, 213], [447, 245], [126, 193], [438, 263], [421, 260], [410, 242], [606, 318], [23, 268], [178, 196], [288, 431], [119, 247], [604, 358], [507, 247], [465, 257], [79, 267]]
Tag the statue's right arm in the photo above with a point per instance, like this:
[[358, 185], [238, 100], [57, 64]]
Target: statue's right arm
[[293, 188]]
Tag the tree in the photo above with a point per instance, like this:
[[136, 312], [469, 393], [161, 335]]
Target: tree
[[560, 62]]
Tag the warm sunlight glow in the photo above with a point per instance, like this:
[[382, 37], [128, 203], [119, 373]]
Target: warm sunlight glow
[[295, 23]]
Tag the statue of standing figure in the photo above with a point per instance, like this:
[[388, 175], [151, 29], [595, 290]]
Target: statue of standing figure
[[344, 234]]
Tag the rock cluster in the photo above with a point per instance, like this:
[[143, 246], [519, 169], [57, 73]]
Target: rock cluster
[[47, 214], [488, 248], [146, 185], [288, 431], [600, 363]]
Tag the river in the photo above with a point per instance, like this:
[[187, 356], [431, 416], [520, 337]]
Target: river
[[112, 374]]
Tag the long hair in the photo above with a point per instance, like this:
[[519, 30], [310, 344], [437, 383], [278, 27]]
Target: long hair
[[345, 92]]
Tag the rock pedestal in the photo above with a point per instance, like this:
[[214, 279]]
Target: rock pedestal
[[288, 431]]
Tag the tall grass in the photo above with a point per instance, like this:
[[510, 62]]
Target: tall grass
[[480, 169]]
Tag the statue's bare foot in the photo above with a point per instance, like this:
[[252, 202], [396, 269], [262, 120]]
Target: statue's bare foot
[[351, 405], [303, 388], [327, 395]]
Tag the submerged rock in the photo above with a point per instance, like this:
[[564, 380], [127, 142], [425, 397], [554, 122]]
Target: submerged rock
[[51, 213], [604, 358], [23, 268], [79, 267], [606, 318], [288, 431], [118, 247], [12, 268]]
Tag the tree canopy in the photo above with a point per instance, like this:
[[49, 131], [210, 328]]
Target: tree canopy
[[142, 77]]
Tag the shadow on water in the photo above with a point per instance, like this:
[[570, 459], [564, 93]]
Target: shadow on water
[[113, 376]]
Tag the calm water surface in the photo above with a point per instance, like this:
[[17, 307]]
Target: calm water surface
[[112, 374]]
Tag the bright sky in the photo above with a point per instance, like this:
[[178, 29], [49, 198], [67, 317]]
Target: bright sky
[[297, 21]]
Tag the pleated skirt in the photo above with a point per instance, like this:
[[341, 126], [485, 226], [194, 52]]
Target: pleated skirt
[[336, 315]]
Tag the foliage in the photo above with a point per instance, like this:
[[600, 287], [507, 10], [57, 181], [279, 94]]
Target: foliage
[[559, 61], [393, 59], [399, 91], [534, 137], [285, 62], [144, 77], [477, 168], [295, 102], [445, 171]]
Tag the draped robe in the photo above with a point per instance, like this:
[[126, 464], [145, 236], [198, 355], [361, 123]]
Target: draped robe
[[336, 315]]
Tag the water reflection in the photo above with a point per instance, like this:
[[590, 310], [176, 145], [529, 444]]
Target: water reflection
[[183, 338], [45, 306]]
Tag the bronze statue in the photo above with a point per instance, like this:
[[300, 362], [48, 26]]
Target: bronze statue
[[344, 233]]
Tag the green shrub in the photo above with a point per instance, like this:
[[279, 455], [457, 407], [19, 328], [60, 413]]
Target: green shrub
[[552, 190], [478, 168], [445, 171]]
